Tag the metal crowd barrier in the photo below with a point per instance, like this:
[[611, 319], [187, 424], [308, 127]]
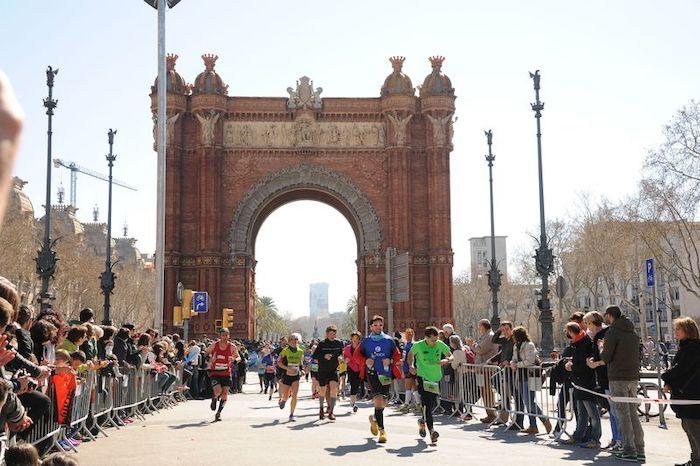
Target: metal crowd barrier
[[504, 394], [101, 401]]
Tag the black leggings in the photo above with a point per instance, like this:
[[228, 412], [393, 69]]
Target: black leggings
[[354, 379], [429, 401], [269, 380]]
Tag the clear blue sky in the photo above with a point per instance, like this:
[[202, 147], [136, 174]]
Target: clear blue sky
[[612, 74]]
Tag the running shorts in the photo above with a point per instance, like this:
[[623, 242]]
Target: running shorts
[[289, 379], [223, 380], [325, 377], [376, 386]]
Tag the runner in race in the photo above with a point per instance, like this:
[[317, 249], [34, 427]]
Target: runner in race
[[269, 365], [379, 368], [278, 372], [425, 360], [314, 374], [353, 367], [342, 376], [327, 353], [223, 354], [290, 361], [308, 352], [412, 396]]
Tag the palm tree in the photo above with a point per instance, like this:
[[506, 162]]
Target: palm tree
[[349, 324], [267, 319]]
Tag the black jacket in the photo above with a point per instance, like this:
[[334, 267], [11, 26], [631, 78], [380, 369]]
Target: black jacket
[[25, 345], [581, 374], [684, 378], [559, 375], [621, 350], [601, 372], [120, 350], [506, 345]]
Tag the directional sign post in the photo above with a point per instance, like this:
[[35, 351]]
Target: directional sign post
[[200, 302], [397, 282], [650, 272], [656, 326]]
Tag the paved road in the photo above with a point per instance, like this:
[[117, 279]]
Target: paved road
[[254, 431]]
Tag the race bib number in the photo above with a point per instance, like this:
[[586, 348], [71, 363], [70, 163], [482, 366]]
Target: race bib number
[[292, 369], [432, 387], [384, 379], [220, 367]]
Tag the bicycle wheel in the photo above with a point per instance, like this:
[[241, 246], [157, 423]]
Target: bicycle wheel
[[650, 409]]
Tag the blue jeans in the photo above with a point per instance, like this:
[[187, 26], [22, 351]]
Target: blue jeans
[[614, 422], [587, 412], [526, 400]]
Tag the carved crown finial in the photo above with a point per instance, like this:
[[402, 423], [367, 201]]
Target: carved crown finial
[[170, 60], [397, 62], [436, 62], [209, 61]]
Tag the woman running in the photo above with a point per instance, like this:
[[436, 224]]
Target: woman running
[[353, 368], [290, 361]]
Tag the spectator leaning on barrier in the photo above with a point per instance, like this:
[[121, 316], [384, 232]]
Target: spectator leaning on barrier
[[25, 345], [683, 382], [525, 358], [621, 355], [504, 338], [584, 377], [484, 350], [594, 322]]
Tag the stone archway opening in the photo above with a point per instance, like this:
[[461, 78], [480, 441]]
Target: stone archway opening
[[306, 261]]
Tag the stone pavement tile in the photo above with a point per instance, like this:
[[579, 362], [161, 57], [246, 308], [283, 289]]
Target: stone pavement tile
[[255, 431]]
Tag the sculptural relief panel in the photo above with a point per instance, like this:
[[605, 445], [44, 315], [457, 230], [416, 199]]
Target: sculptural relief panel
[[303, 133]]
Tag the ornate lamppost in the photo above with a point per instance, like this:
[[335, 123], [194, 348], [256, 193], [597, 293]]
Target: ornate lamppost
[[494, 274], [46, 257], [544, 259], [107, 277]]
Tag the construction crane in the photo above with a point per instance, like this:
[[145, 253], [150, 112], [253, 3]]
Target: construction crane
[[75, 169]]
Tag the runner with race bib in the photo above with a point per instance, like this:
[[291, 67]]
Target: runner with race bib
[[425, 359]]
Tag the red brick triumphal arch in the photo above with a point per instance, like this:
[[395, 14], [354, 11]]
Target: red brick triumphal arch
[[383, 162]]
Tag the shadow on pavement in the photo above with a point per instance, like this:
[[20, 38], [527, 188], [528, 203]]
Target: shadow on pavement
[[306, 425], [265, 424], [342, 450], [192, 424], [420, 447]]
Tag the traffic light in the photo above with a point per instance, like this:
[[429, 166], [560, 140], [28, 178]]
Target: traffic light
[[177, 316], [227, 318], [187, 304]]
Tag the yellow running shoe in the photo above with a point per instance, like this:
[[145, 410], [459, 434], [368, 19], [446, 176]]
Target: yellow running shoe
[[373, 426], [382, 436]]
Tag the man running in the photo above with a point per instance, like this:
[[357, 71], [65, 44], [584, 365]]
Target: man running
[[327, 353], [290, 361], [379, 369], [223, 354], [426, 360]]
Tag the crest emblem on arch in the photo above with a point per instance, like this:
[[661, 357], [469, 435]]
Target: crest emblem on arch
[[304, 96]]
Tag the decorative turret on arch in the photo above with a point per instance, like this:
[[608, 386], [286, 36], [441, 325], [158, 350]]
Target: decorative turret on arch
[[329, 185]]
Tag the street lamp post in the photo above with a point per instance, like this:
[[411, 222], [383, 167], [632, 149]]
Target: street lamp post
[[494, 274], [107, 277], [544, 259], [46, 258], [160, 5]]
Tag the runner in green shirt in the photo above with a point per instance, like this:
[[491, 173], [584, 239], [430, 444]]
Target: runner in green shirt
[[426, 359], [290, 362]]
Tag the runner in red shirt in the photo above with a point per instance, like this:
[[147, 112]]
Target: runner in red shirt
[[223, 353]]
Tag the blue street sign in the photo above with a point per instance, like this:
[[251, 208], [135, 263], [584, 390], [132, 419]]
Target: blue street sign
[[200, 301], [650, 272]]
